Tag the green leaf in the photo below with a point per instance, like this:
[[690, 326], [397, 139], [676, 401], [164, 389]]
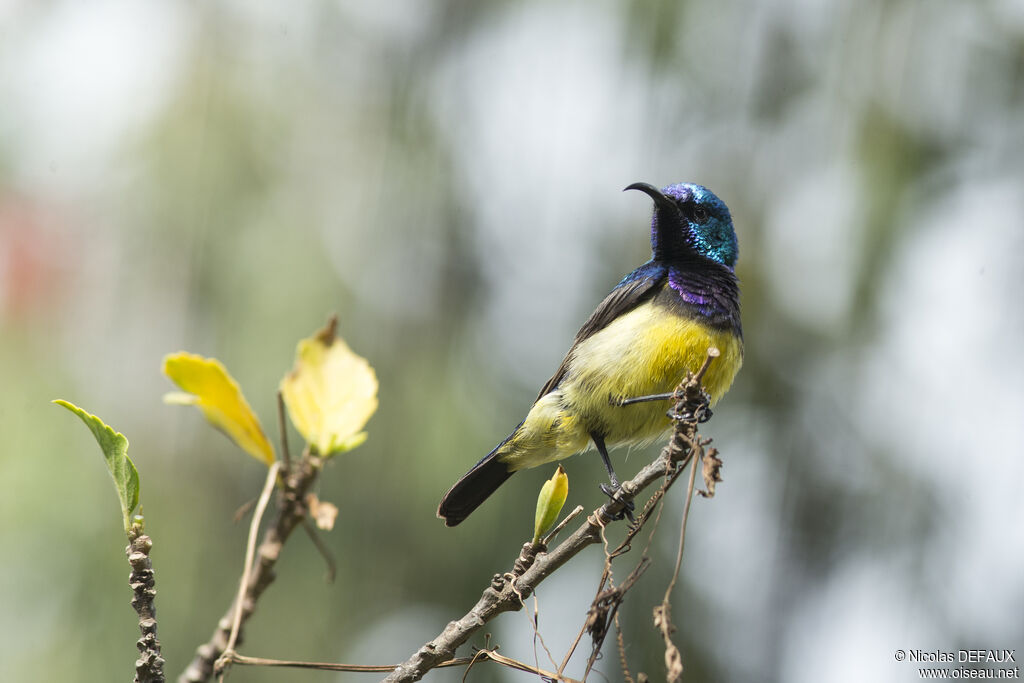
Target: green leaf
[[115, 450], [549, 503]]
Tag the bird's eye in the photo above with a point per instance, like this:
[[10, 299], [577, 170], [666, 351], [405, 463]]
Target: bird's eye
[[700, 214]]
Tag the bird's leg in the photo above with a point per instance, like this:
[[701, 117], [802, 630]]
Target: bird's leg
[[603, 450], [610, 491]]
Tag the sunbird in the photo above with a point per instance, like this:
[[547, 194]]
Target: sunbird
[[653, 327]]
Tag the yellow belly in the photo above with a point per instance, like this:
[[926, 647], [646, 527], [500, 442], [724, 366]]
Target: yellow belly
[[645, 351]]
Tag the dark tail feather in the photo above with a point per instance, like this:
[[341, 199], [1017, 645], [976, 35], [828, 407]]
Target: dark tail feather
[[474, 488]]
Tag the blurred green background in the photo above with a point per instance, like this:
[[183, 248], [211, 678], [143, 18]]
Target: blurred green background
[[219, 177]]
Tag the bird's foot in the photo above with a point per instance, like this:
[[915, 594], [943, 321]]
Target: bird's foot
[[627, 505], [703, 407], [699, 410]]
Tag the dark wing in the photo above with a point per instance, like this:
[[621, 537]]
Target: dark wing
[[639, 286]]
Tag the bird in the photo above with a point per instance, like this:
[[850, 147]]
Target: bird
[[656, 325]]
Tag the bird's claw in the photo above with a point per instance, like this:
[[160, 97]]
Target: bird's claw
[[699, 411], [627, 505]]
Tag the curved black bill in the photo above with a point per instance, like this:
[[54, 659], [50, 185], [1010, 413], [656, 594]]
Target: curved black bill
[[654, 193]]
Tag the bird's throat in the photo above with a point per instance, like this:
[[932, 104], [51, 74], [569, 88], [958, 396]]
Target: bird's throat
[[707, 290]]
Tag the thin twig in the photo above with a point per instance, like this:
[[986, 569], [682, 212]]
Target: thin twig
[[520, 666], [655, 502], [480, 655], [594, 614], [236, 658], [243, 510], [325, 552], [534, 620], [577, 511], [250, 553], [332, 666], [572, 648], [682, 530], [663, 612], [604, 609], [622, 651], [282, 428], [583, 629]]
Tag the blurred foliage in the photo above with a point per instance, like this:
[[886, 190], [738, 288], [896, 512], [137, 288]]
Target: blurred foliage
[[446, 176]]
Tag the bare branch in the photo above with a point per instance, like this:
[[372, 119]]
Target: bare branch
[[149, 667]]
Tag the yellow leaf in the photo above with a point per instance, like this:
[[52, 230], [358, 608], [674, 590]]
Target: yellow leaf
[[549, 502], [210, 388], [330, 393]]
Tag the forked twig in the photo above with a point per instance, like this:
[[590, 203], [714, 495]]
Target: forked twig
[[291, 510]]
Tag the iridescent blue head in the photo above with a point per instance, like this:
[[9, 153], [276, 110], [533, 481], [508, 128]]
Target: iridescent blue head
[[689, 219]]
